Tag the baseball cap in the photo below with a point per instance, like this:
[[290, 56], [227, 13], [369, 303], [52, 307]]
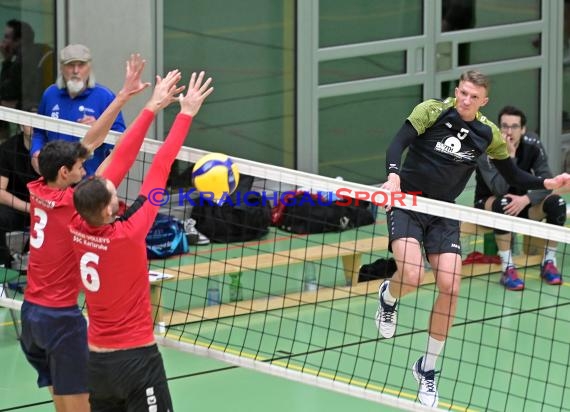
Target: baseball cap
[[75, 53]]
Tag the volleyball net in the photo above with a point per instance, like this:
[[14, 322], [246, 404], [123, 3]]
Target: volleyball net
[[298, 298]]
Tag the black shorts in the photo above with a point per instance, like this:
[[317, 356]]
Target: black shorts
[[54, 341], [130, 380], [436, 234]]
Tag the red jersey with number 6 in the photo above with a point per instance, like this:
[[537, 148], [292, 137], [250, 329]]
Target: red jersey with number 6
[[113, 261]]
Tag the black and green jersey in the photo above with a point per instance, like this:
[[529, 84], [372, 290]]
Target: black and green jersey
[[442, 158]]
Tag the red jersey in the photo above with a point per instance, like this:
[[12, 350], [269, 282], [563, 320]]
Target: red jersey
[[52, 268], [53, 272], [113, 260]]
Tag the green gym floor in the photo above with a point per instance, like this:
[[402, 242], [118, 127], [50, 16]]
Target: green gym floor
[[516, 343], [524, 321]]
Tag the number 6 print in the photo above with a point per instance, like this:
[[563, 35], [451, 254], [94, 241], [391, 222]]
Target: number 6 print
[[89, 274]]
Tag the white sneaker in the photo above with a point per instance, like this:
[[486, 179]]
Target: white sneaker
[[427, 393], [386, 315], [2, 293], [194, 237]]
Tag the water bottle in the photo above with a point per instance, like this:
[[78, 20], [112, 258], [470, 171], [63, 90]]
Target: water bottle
[[235, 287], [489, 244], [310, 277], [213, 295]]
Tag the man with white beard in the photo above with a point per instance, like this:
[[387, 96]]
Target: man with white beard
[[75, 96]]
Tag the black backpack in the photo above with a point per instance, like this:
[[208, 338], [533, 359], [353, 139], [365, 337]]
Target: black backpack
[[380, 269], [245, 216], [307, 213]]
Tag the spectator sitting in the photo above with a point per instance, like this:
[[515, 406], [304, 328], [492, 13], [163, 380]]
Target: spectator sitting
[[492, 192], [15, 173]]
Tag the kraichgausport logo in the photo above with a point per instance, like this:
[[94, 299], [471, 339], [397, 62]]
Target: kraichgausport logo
[[341, 197]]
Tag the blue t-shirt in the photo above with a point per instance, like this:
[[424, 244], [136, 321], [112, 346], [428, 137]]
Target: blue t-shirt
[[58, 104]]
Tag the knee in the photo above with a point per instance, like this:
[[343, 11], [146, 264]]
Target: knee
[[411, 274], [499, 207], [554, 207], [450, 287]]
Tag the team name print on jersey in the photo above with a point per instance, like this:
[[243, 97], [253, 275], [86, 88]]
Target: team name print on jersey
[[451, 145]]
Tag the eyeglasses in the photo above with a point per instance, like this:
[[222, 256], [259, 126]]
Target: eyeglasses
[[513, 127]]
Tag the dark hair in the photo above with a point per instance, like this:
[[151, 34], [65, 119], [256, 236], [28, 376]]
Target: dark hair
[[477, 78], [513, 111], [58, 153], [22, 30], [90, 197]]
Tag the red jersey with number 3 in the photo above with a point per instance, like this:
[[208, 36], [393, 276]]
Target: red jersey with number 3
[[52, 269], [53, 273]]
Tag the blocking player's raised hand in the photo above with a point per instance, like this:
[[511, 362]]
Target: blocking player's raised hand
[[134, 69], [100, 127], [164, 91], [198, 90]]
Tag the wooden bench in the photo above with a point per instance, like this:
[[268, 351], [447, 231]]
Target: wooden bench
[[350, 252], [530, 245], [320, 295]]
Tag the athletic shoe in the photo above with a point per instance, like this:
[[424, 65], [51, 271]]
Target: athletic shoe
[[511, 280], [386, 315], [550, 273], [427, 393], [194, 237]]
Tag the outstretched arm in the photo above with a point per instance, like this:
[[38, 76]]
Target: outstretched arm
[[189, 107], [133, 85], [39, 139], [519, 178], [129, 143], [160, 168], [491, 176]]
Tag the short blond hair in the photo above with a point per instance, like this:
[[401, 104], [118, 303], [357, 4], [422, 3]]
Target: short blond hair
[[477, 78]]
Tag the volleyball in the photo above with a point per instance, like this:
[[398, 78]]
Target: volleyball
[[215, 173]]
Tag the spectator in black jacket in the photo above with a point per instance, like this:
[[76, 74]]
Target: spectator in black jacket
[[494, 193]]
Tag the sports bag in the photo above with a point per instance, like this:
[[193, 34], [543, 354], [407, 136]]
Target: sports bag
[[239, 221], [379, 269], [166, 238], [303, 213]]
